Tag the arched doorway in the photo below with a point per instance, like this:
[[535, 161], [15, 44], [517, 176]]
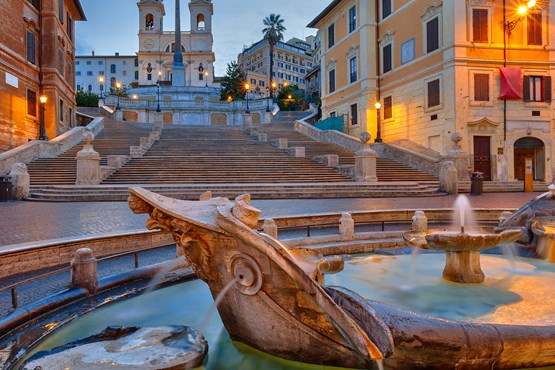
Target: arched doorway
[[529, 147]]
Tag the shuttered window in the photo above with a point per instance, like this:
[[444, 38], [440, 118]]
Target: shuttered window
[[481, 87], [386, 8], [387, 107], [432, 35], [31, 47], [537, 88], [331, 82], [479, 25], [387, 59], [534, 29], [433, 93]]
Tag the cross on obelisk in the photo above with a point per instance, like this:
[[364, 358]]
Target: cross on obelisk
[[178, 69]]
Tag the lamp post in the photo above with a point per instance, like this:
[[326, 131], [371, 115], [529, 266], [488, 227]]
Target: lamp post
[[206, 79], [273, 86], [118, 87], [158, 96], [247, 87], [42, 129], [269, 97], [101, 82], [378, 138]]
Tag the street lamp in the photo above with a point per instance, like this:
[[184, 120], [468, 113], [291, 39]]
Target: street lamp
[[273, 87], [206, 78], [247, 87], [101, 82], [522, 10], [42, 100], [378, 138], [158, 96], [118, 87]]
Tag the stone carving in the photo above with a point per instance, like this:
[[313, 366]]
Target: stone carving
[[365, 161], [21, 181], [448, 178], [280, 308], [88, 162]]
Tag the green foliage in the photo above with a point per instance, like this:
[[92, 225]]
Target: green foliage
[[291, 98], [233, 82], [86, 99], [273, 32]]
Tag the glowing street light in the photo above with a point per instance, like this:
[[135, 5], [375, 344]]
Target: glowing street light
[[118, 87], [378, 107], [247, 87], [42, 100], [101, 82], [206, 78]]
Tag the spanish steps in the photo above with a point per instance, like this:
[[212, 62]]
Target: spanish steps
[[188, 160]]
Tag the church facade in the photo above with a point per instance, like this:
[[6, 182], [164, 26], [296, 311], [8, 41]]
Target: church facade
[[157, 46]]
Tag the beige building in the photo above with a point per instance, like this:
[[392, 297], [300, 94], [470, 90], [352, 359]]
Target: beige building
[[291, 61], [475, 67], [37, 52], [156, 46]]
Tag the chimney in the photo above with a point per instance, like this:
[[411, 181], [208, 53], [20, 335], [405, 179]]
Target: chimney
[[93, 53], [117, 54]]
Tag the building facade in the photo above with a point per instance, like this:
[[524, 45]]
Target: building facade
[[156, 46], [291, 62], [99, 73], [478, 68], [37, 52]]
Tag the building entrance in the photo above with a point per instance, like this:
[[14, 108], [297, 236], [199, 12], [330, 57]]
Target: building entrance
[[529, 147], [482, 156]]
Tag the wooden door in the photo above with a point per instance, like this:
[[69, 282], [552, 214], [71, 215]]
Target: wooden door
[[482, 156]]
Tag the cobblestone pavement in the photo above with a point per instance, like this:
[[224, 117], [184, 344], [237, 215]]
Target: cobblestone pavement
[[23, 222]]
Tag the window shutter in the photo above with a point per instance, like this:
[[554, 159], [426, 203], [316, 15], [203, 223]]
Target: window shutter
[[526, 89], [547, 89]]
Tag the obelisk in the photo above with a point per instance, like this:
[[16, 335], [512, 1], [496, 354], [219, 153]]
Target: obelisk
[[178, 69]]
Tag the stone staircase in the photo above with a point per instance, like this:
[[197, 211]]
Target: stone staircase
[[115, 139]]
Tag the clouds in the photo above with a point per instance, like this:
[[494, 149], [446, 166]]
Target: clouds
[[112, 25]]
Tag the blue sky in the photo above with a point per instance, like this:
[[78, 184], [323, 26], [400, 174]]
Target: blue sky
[[112, 25]]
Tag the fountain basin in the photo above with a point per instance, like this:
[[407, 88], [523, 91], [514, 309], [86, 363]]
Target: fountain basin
[[544, 229]]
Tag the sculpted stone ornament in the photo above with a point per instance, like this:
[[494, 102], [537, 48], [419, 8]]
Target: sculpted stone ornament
[[88, 162], [281, 308]]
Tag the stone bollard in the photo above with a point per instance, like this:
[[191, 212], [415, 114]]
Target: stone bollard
[[83, 270], [419, 221], [268, 117], [504, 216], [247, 121], [117, 160], [296, 151], [330, 160], [282, 143], [459, 157], [263, 137], [269, 227], [21, 181], [365, 161], [448, 178], [347, 226], [88, 162]]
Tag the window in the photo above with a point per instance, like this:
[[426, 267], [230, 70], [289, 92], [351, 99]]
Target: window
[[295, 69], [124, 62], [149, 22], [61, 11], [89, 88], [432, 35], [352, 19], [481, 87], [386, 8], [35, 4], [288, 66], [136, 75], [253, 81], [534, 28], [136, 62], [433, 93], [124, 73], [61, 111], [354, 115], [332, 114], [537, 88], [31, 47], [280, 64], [100, 62], [112, 68], [149, 76], [407, 51], [89, 62], [101, 73], [69, 27], [77, 62], [201, 24], [31, 103], [78, 87], [71, 118], [331, 80], [387, 58], [78, 73], [61, 61], [387, 107], [479, 25], [113, 81], [353, 70], [89, 73], [331, 36]]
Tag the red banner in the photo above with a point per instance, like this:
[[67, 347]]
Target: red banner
[[511, 83]]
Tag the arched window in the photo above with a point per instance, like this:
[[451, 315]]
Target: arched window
[[171, 48], [78, 87], [200, 22], [149, 21]]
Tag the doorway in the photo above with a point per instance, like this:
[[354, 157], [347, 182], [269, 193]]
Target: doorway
[[482, 156], [529, 147]]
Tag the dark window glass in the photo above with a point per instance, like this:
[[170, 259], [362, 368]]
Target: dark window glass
[[353, 70], [112, 68], [479, 25], [432, 35], [387, 107], [481, 87], [433, 93], [35, 3], [387, 58], [69, 27], [331, 75], [352, 19], [31, 103], [386, 8], [61, 61], [31, 47], [61, 110], [354, 115], [61, 11], [534, 29], [149, 76], [136, 75], [331, 36]]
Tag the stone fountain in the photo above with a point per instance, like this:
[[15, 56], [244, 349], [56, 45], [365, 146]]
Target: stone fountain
[[281, 308]]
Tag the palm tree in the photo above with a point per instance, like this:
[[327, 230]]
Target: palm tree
[[273, 32]]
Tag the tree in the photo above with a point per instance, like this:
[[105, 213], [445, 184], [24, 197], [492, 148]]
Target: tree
[[273, 32], [233, 82], [86, 99], [291, 98]]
